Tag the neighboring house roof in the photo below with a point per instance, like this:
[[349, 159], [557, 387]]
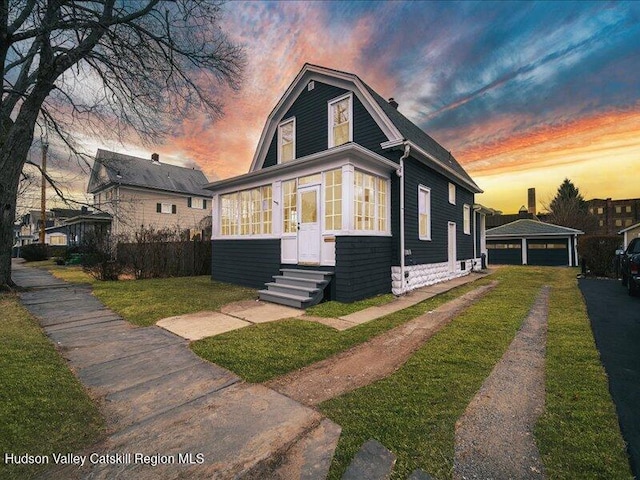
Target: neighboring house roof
[[632, 227], [397, 128], [111, 168], [530, 228], [97, 217]]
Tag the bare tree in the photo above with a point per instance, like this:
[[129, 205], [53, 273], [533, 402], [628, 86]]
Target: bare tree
[[108, 65]]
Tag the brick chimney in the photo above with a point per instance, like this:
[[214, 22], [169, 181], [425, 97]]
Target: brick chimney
[[155, 158], [531, 197], [393, 103]]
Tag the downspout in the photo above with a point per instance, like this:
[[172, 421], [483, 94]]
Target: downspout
[[400, 173]]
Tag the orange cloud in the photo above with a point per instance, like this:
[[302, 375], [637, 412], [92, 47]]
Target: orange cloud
[[226, 147]]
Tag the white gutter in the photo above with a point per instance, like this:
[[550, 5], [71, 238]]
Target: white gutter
[[400, 173]]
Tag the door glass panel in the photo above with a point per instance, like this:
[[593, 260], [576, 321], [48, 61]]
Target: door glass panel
[[309, 207]]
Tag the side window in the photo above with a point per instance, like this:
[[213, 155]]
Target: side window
[[452, 194], [424, 213], [466, 220]]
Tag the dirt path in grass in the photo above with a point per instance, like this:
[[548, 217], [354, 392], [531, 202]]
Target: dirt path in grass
[[372, 360], [494, 437]]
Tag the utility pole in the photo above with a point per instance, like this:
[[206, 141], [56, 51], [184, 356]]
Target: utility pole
[[43, 192]]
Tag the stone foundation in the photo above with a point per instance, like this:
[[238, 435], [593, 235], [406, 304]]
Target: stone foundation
[[430, 273]]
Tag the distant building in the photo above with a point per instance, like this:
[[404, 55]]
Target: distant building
[[614, 215]]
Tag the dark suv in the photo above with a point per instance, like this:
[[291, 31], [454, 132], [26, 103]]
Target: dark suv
[[631, 267]]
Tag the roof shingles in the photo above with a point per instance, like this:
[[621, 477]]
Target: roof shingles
[[528, 227], [132, 171]]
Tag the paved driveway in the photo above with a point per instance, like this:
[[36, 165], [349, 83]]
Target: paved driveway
[[615, 320]]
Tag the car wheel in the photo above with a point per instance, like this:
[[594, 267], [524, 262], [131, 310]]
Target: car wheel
[[632, 288]]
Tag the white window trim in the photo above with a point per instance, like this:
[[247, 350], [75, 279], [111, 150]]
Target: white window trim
[[427, 190], [166, 206], [374, 232], [280, 125], [466, 219], [330, 117], [452, 193]]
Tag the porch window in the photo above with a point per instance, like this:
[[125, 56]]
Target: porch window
[[340, 121], [370, 213], [424, 213], [287, 141], [333, 200], [247, 212], [289, 211]]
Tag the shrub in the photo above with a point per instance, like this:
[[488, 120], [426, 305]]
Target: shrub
[[599, 252], [34, 252]]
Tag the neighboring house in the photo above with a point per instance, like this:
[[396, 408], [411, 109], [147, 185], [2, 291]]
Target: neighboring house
[[630, 233], [145, 193], [342, 183], [54, 222], [88, 226], [531, 242]]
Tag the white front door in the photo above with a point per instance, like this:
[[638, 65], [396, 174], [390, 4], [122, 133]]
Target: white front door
[[452, 247], [309, 225]]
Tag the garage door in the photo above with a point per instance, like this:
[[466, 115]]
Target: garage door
[[502, 252], [547, 252]]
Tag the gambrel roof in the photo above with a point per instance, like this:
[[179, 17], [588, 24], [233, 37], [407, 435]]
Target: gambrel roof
[[530, 228], [111, 168], [396, 127]]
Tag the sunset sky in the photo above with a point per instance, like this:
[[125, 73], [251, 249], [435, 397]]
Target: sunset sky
[[524, 94]]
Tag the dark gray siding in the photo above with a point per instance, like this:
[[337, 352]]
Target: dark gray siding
[[442, 212], [311, 112], [363, 267], [251, 263]]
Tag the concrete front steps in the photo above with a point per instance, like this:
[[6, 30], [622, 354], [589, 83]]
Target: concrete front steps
[[296, 287]]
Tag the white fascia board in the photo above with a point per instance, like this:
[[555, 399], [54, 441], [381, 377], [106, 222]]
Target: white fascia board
[[532, 235], [427, 156], [629, 228], [342, 80], [348, 152]]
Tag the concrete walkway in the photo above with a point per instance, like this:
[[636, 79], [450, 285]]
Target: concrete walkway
[[177, 415], [194, 326]]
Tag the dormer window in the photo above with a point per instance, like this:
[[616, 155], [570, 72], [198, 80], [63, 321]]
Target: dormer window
[[287, 141], [340, 121]]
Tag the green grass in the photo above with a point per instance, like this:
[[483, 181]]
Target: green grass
[[578, 435], [144, 302], [337, 309], [264, 351], [43, 408], [413, 412]]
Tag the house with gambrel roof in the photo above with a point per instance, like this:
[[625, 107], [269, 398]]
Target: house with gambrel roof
[[139, 192], [345, 198]]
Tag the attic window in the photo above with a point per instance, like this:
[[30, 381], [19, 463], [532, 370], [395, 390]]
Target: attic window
[[311, 85], [287, 141], [340, 121]]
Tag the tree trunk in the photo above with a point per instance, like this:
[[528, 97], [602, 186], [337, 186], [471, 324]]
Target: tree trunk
[[16, 139], [8, 193]]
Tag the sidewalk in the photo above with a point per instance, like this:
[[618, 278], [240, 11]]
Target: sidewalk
[[179, 416]]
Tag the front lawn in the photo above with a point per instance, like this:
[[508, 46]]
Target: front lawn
[[264, 351], [43, 408], [144, 302]]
